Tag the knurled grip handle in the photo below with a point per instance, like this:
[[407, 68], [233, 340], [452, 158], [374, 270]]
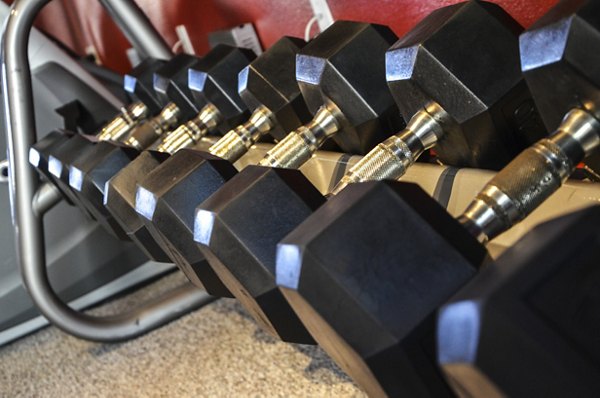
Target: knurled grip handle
[[532, 177], [389, 160], [291, 152], [529, 179], [120, 125], [379, 164], [144, 135], [115, 128], [231, 146]]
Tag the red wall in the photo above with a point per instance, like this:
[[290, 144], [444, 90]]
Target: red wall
[[80, 23]]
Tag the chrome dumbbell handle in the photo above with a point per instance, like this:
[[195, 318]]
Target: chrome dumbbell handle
[[122, 124], [390, 159], [235, 143], [146, 133], [534, 175], [191, 132], [299, 145]]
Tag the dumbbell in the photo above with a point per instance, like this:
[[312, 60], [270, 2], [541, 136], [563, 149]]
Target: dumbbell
[[271, 200], [540, 297], [39, 155], [48, 154], [528, 324], [167, 197], [219, 108], [482, 116], [81, 155], [347, 51], [368, 270], [150, 86], [269, 88], [205, 103], [138, 85]]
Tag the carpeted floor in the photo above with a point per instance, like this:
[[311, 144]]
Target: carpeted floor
[[217, 351]]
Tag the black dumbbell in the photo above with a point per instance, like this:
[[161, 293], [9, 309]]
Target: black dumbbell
[[344, 92], [269, 88], [346, 51], [248, 258], [90, 172], [534, 312], [481, 116], [118, 187], [218, 105], [174, 188], [367, 272], [103, 153], [138, 83], [39, 155]]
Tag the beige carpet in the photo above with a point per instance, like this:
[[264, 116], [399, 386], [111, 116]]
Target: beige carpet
[[217, 351]]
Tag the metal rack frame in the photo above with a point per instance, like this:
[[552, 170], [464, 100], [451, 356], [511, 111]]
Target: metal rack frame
[[453, 188], [30, 200]]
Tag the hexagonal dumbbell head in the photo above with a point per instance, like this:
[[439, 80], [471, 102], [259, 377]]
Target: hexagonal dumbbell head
[[558, 60], [439, 76], [366, 273], [345, 67], [534, 312], [171, 84], [60, 160], [465, 59], [237, 229], [559, 63], [270, 81], [537, 172], [119, 200], [214, 81], [139, 83], [269, 87], [166, 200], [40, 152], [88, 175], [342, 80]]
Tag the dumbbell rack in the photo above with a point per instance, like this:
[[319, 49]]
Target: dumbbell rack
[[452, 187], [30, 200]]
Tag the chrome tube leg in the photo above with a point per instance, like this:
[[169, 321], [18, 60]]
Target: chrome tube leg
[[137, 28], [28, 219]]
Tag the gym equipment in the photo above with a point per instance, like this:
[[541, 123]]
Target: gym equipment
[[52, 156], [167, 197], [57, 79], [272, 93], [349, 283], [339, 75], [346, 47], [212, 107], [369, 302], [239, 244], [533, 312], [30, 201], [90, 172], [473, 117]]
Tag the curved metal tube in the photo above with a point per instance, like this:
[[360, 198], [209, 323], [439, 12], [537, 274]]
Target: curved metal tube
[[27, 218], [46, 197], [138, 29]]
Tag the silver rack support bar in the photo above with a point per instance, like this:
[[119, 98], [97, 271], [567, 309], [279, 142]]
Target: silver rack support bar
[[28, 203], [138, 29], [46, 197]]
